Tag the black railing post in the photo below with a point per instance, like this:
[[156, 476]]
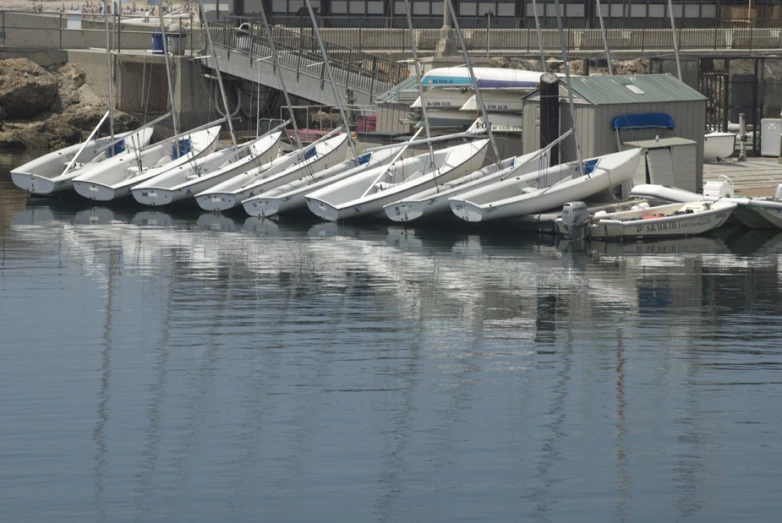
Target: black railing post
[[348, 68], [372, 81]]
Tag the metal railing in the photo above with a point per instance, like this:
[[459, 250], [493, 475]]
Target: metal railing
[[24, 29], [730, 34], [298, 51]]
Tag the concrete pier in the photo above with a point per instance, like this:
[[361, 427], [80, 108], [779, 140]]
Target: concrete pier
[[140, 84]]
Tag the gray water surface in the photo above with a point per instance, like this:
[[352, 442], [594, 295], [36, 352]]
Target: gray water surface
[[179, 366]]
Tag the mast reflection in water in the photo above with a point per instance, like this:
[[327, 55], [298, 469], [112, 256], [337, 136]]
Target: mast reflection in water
[[188, 366]]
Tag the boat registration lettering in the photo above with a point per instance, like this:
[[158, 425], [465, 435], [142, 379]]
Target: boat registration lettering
[[672, 226]]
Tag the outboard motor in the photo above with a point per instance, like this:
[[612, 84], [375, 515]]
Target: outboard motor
[[575, 219], [777, 197]]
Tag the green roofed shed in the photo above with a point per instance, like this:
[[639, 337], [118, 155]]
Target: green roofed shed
[[600, 99]]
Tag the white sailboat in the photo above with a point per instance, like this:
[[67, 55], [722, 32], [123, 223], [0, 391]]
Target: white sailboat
[[55, 171], [115, 178], [512, 198], [368, 193], [293, 166], [290, 197], [176, 185], [435, 202]]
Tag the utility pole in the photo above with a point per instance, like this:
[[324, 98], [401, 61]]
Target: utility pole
[[447, 44]]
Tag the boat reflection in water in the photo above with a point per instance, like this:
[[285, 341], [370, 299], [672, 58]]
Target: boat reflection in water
[[412, 367]]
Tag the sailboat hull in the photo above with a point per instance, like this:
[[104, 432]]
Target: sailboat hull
[[292, 197], [373, 204], [497, 201], [43, 176], [35, 184], [330, 153]]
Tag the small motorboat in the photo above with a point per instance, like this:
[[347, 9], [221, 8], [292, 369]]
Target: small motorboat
[[367, 193], [114, 179], [295, 165], [55, 171], [717, 146], [754, 213], [520, 196], [189, 180], [643, 221]]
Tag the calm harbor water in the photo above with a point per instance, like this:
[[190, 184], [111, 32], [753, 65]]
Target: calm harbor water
[[180, 366]]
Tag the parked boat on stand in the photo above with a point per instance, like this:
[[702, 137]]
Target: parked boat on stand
[[512, 198], [368, 193], [717, 146], [177, 185], [115, 178], [295, 165]]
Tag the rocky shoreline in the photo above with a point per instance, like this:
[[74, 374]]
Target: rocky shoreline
[[49, 108]]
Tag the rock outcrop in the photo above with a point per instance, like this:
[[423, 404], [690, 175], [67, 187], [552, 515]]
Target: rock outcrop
[[26, 89], [57, 108]]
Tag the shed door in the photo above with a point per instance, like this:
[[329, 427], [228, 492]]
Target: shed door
[[659, 166], [684, 166]]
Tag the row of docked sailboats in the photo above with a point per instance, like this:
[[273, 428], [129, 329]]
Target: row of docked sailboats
[[378, 182]]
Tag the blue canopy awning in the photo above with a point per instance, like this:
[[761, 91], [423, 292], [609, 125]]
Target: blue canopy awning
[[643, 121]]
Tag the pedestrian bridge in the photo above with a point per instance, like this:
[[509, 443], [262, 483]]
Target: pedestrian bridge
[[245, 52]]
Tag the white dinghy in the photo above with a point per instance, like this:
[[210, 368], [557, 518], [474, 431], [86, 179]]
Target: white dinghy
[[512, 198], [754, 213], [217, 167], [368, 193], [298, 164], [434, 202], [114, 178], [717, 146], [290, 197], [55, 171], [663, 221]]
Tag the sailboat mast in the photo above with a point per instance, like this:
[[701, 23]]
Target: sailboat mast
[[277, 69], [675, 42], [108, 65], [418, 80], [474, 81], [605, 38], [168, 70], [569, 89], [331, 80], [219, 75], [540, 35]]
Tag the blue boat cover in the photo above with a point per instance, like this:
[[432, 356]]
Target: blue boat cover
[[117, 148], [589, 166], [311, 152], [180, 148], [364, 158], [643, 121]]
